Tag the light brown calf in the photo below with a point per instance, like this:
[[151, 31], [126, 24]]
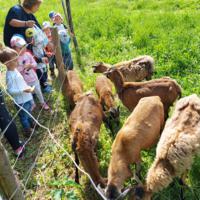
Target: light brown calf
[[137, 69], [72, 87], [104, 91], [140, 131], [131, 92], [85, 122]]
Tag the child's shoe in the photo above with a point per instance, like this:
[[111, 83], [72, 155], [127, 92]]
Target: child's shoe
[[45, 106], [20, 151]]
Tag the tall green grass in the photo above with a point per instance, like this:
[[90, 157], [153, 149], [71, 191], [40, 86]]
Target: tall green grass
[[112, 31]]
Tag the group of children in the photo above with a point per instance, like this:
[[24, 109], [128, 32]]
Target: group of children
[[57, 21], [26, 64]]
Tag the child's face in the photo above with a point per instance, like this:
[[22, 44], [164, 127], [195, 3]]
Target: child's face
[[47, 31], [57, 20], [20, 50]]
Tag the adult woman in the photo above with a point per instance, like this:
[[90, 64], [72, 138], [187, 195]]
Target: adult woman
[[19, 18]]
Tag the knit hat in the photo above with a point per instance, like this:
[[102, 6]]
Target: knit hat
[[17, 40], [45, 25]]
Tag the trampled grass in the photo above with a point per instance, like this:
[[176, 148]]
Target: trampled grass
[[112, 31]]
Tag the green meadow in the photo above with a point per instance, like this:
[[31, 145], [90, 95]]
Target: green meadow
[[110, 31]]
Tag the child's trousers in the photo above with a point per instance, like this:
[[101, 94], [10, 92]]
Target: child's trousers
[[25, 119], [52, 63], [42, 76]]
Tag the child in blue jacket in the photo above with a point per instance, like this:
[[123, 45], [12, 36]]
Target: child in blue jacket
[[57, 20]]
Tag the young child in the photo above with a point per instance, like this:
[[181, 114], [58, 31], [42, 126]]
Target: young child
[[36, 37], [51, 16], [18, 88], [58, 22], [64, 39], [66, 52], [27, 66], [49, 50]]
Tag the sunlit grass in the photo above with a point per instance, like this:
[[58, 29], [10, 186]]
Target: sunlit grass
[[112, 31]]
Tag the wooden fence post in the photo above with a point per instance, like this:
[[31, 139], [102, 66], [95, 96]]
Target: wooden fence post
[[58, 55], [71, 27], [8, 182], [2, 196]]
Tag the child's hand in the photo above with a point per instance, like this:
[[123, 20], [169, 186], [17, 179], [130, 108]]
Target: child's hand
[[28, 66], [72, 34], [45, 60], [30, 89]]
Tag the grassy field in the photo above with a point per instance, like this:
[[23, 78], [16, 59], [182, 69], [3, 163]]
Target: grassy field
[[112, 31]]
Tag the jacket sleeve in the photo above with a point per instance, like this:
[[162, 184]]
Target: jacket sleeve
[[11, 86]]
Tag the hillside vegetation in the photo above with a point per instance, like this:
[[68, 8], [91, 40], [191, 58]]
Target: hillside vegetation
[[111, 31]]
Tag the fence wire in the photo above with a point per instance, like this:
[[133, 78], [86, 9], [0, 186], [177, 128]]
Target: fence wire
[[50, 134]]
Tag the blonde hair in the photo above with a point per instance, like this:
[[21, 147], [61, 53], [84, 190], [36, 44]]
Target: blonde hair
[[28, 4]]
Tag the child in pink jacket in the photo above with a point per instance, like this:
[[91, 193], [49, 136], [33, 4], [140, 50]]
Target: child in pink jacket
[[27, 66]]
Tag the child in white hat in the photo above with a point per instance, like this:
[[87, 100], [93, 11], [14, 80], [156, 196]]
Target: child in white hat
[[64, 39], [38, 42], [27, 66], [17, 87], [49, 49]]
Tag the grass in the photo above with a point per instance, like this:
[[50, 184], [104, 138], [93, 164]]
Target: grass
[[113, 31]]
